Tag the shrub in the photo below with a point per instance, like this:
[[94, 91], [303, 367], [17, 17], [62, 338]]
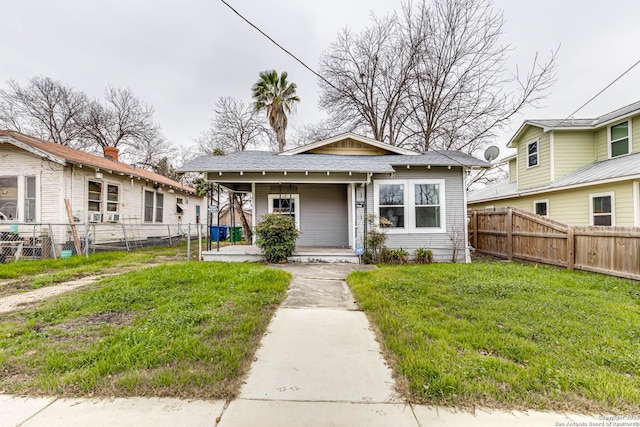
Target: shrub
[[423, 256], [375, 238], [276, 237], [394, 256]]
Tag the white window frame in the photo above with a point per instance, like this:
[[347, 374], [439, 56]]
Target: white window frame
[[613, 206], [296, 201], [410, 206], [144, 207], [537, 142], [108, 202], [629, 138], [100, 201], [536, 202]]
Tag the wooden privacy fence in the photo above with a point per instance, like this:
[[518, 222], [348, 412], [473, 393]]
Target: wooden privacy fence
[[517, 234]]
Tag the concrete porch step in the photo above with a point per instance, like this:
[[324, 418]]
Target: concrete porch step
[[245, 253]]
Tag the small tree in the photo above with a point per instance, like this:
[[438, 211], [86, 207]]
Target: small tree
[[276, 237], [376, 237]]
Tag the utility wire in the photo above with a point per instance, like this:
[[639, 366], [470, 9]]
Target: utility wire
[[598, 94], [279, 45]]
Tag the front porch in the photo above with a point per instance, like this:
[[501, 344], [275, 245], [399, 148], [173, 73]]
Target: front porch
[[306, 254]]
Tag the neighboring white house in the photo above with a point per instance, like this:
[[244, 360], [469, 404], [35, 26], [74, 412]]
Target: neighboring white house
[[329, 186], [37, 177]]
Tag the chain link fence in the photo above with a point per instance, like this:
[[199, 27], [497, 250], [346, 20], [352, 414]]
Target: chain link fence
[[43, 241]]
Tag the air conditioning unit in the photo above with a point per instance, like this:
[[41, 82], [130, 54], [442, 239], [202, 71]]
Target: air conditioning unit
[[95, 217], [113, 217]]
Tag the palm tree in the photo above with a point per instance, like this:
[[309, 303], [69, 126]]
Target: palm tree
[[278, 96]]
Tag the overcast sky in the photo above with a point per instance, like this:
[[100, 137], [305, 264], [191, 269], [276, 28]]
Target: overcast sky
[[180, 56]]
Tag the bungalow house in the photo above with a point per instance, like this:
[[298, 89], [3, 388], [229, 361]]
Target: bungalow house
[[576, 171], [38, 178], [329, 186]]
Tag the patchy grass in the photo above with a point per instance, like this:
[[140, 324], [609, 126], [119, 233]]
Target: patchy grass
[[27, 275], [508, 335], [185, 330]]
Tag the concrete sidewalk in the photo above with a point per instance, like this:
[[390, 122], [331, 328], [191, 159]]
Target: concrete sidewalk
[[318, 365]]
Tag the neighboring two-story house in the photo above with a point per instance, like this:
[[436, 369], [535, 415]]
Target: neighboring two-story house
[[577, 171]]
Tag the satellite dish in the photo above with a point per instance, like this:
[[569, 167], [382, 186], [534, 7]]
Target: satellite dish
[[491, 153]]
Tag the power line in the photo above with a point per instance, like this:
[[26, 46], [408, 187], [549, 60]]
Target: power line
[[598, 94], [279, 45]]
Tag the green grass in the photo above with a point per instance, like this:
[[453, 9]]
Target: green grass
[[184, 330], [27, 275], [508, 335]]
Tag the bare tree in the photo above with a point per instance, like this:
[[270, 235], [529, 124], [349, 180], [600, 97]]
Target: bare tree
[[44, 108], [122, 119], [434, 78], [236, 126]]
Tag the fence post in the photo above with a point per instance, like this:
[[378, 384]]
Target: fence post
[[189, 242], [86, 239], [126, 241], [475, 229], [571, 248], [169, 231], [199, 242], [509, 227]]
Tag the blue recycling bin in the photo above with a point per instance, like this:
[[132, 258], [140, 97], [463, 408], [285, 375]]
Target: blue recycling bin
[[218, 232]]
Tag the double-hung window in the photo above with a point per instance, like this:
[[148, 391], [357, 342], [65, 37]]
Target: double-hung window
[[532, 153], [411, 206], [391, 203], [113, 198], [29, 198], [95, 196], [602, 209], [148, 206], [159, 206], [619, 139]]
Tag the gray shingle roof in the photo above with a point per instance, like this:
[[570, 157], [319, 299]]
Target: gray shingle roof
[[618, 168], [586, 123], [257, 161]]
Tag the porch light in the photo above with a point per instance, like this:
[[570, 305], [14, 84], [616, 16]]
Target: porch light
[[220, 173], [428, 166], [99, 175], [349, 173], [263, 173], [306, 172], [328, 173], [285, 172], [241, 173], [408, 166]]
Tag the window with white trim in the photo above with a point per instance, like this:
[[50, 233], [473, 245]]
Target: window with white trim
[[541, 207], [411, 205], [391, 204], [285, 205], [94, 196], [619, 140], [602, 209], [29, 198], [532, 153], [427, 205], [159, 206], [8, 197], [113, 198], [148, 206]]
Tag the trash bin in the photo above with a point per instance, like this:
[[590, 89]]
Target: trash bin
[[218, 232], [235, 234]]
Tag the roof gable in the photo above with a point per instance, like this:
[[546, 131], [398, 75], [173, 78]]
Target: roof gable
[[349, 144]]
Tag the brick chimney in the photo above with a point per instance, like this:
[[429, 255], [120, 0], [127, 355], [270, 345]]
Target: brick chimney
[[111, 153]]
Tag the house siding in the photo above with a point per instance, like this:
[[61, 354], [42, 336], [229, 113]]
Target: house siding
[[573, 149], [572, 206], [323, 211], [635, 135], [440, 243], [536, 176], [513, 170], [49, 179]]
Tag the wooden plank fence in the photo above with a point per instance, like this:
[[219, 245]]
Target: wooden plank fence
[[517, 234]]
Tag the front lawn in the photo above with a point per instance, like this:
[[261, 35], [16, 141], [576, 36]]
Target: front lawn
[[26, 275], [508, 335], [184, 330]]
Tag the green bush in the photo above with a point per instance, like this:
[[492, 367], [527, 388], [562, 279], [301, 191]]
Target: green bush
[[276, 237], [423, 256], [394, 256]]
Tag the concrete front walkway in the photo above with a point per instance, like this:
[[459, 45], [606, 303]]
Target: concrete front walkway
[[319, 365]]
